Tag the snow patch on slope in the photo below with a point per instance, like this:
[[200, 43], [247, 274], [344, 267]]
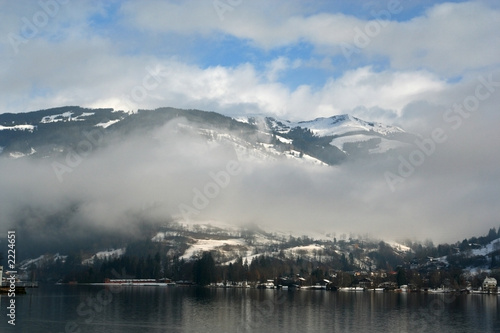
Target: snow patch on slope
[[108, 254], [57, 117], [284, 140], [17, 154], [488, 248], [343, 124], [29, 128], [339, 141], [84, 114], [66, 116], [26, 264], [108, 123], [243, 120], [399, 247], [384, 146], [303, 158], [203, 245], [333, 126]]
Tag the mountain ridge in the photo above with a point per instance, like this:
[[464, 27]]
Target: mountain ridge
[[181, 245], [329, 140]]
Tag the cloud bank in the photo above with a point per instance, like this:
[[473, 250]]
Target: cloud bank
[[414, 65]]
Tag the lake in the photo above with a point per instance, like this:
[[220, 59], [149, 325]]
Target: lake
[[84, 308]]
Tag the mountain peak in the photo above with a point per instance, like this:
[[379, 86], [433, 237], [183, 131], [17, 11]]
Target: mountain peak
[[337, 125], [322, 140]]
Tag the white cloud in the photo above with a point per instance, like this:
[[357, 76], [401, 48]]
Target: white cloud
[[268, 25], [77, 65], [275, 67], [104, 78], [76, 61], [449, 39]]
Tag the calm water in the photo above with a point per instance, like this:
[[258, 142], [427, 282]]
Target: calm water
[[179, 309]]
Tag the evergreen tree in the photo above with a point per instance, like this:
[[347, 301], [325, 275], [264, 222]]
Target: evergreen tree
[[345, 264], [493, 261], [401, 277], [492, 235], [204, 269]]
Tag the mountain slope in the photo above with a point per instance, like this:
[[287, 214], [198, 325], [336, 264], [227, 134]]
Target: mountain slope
[[336, 126], [328, 141], [175, 247]]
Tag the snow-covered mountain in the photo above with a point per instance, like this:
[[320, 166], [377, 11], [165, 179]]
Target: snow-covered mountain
[[323, 141], [346, 129], [229, 244], [335, 126]]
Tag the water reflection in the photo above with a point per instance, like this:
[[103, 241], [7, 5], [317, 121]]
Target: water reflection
[[189, 309]]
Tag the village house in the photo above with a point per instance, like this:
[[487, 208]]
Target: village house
[[365, 283], [379, 274], [490, 284]]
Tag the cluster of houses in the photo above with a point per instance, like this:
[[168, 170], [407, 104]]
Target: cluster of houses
[[360, 283]]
